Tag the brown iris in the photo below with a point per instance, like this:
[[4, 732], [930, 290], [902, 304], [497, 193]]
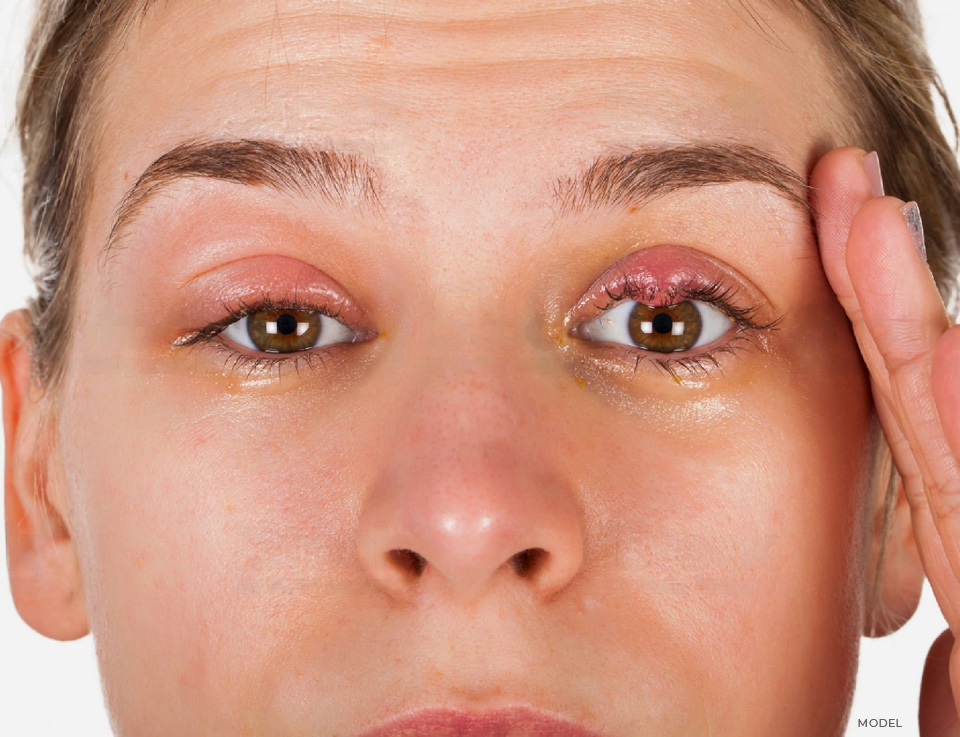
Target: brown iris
[[283, 331], [665, 329]]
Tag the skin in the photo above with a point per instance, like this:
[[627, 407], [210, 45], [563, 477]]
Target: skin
[[225, 537]]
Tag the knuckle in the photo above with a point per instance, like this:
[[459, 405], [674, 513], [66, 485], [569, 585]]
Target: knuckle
[[902, 359], [946, 507]]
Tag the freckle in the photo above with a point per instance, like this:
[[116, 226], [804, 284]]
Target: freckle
[[138, 563], [382, 334], [229, 508]]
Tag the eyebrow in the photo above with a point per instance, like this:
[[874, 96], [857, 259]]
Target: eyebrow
[[611, 181], [343, 179], [630, 179]]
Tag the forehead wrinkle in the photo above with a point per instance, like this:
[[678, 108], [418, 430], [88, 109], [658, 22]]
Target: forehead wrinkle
[[418, 31]]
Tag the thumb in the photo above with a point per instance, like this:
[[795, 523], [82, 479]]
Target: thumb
[[938, 713]]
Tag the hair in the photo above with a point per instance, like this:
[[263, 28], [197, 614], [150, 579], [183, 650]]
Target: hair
[[881, 63]]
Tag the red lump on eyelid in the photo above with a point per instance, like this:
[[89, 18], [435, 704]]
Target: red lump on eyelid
[[663, 273]]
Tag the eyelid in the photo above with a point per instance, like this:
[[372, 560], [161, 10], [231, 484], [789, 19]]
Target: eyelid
[[265, 303], [262, 363], [273, 276], [665, 276], [658, 276]]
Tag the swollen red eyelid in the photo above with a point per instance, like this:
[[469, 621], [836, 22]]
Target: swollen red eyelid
[[281, 278], [655, 276]]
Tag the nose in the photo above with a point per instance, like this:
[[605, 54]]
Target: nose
[[471, 497]]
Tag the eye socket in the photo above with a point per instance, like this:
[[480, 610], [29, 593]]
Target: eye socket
[[666, 329], [287, 331]]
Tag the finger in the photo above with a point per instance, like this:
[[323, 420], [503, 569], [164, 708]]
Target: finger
[[945, 376], [904, 313], [936, 564], [840, 189], [840, 186], [945, 379], [938, 712]]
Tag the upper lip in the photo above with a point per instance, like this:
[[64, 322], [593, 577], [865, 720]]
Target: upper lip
[[514, 722]]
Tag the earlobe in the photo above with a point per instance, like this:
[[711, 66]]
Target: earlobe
[[44, 571], [901, 574]]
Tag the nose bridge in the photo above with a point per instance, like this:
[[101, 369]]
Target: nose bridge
[[471, 383], [469, 490], [463, 441]]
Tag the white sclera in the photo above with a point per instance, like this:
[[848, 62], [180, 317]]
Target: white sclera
[[331, 331], [613, 325]]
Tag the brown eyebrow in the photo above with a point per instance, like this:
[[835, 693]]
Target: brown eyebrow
[[623, 180], [339, 178], [611, 181]]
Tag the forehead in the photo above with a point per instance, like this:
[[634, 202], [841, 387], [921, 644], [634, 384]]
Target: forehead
[[462, 98]]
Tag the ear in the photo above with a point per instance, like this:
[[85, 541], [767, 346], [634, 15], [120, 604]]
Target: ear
[[44, 570], [901, 575]]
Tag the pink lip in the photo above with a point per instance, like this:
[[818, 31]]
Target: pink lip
[[518, 722]]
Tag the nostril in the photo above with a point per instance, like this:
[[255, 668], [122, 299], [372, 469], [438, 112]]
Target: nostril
[[526, 562], [409, 561]]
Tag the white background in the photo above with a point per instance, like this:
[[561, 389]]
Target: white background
[[52, 688]]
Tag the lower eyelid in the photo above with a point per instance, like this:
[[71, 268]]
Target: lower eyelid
[[262, 364], [700, 364]]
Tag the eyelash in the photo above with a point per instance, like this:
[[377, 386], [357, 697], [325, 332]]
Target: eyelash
[[262, 363], [715, 293]]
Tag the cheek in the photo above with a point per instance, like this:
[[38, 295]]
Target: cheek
[[745, 532], [208, 531]]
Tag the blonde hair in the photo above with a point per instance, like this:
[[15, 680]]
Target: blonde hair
[[882, 63]]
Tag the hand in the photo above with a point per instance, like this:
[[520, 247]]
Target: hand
[[912, 350]]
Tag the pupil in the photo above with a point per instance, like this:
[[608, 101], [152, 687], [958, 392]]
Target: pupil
[[662, 323], [286, 323]]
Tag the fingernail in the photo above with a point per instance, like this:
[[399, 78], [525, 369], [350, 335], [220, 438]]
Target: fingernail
[[911, 214], [871, 164]]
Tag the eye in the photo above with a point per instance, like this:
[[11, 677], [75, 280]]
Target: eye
[[664, 329], [287, 331], [276, 333]]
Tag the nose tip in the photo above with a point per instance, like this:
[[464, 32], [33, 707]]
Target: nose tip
[[463, 541], [471, 496]]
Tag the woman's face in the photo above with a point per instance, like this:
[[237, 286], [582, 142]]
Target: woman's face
[[650, 530]]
